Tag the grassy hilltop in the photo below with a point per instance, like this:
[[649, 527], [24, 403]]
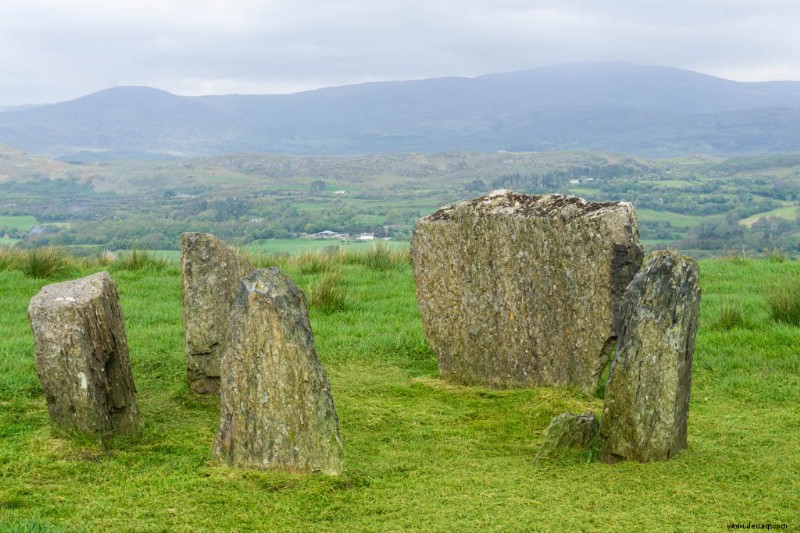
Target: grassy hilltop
[[421, 454]]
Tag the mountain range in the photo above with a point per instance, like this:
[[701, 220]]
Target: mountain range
[[650, 111]]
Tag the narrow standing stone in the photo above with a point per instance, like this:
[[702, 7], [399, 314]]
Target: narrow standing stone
[[211, 272], [522, 290], [646, 408], [81, 357], [277, 411]]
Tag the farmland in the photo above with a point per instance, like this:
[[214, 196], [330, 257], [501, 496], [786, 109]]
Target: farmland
[[707, 205]]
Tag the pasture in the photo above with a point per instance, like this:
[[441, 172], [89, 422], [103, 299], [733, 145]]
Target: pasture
[[421, 454]]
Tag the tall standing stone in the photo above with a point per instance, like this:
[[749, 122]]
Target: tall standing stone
[[81, 357], [277, 411], [212, 272], [646, 408], [522, 290]]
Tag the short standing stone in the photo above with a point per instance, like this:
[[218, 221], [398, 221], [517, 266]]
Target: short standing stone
[[277, 411], [212, 272], [520, 290], [568, 432], [646, 408], [81, 357]]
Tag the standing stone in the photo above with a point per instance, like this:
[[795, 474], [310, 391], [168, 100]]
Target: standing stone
[[277, 411], [81, 357], [567, 432], [646, 409], [519, 290], [212, 272]]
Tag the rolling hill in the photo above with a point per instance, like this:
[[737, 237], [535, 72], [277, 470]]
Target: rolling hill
[[643, 110]]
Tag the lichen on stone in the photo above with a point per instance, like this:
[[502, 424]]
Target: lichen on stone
[[646, 407], [522, 290]]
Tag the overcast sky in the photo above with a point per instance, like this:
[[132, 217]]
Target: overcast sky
[[53, 50]]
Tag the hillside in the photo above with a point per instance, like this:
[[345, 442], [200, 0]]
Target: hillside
[[647, 111]]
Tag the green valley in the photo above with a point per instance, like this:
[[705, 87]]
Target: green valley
[[705, 205]]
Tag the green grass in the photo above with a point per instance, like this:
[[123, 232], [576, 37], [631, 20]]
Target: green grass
[[328, 294], [583, 192], [12, 258], [139, 260], [46, 262], [421, 454], [296, 246], [789, 212], [676, 219], [307, 248], [672, 184], [21, 222], [784, 301]]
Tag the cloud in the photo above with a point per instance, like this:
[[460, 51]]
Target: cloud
[[52, 50]]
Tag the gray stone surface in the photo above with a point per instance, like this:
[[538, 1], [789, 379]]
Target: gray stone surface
[[212, 272], [646, 408], [567, 432], [277, 411], [520, 290], [81, 357]]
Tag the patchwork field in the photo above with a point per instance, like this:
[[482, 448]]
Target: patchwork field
[[790, 212], [19, 222], [256, 199], [421, 454]]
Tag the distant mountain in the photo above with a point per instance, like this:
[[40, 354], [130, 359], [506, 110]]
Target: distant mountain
[[3, 109], [643, 110]]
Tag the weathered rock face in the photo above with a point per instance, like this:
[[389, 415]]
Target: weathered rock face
[[277, 411], [81, 357], [212, 272], [567, 432], [519, 290], [646, 409]]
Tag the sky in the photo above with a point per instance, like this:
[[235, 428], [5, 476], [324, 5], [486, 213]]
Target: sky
[[56, 50]]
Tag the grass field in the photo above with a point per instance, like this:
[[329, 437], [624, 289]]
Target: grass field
[[421, 454], [291, 247], [790, 212], [22, 223], [295, 246], [676, 219]]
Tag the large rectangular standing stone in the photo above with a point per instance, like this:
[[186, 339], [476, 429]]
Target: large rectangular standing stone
[[81, 357], [646, 407], [277, 411], [211, 274], [521, 290]]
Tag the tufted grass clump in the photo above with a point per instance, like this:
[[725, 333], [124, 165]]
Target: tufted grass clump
[[11, 258], [140, 260], [784, 302], [776, 255], [328, 294], [106, 257], [266, 260], [731, 315], [315, 263], [736, 257], [380, 257], [43, 263]]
